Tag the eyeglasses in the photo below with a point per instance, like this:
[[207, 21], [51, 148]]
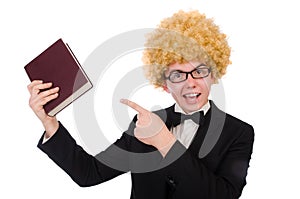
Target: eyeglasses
[[180, 76]]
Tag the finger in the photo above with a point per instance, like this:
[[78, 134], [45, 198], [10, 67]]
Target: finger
[[36, 89], [134, 105], [49, 98], [144, 120], [49, 92], [38, 102], [33, 83]]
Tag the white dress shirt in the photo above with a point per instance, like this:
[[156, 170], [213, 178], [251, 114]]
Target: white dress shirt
[[186, 131]]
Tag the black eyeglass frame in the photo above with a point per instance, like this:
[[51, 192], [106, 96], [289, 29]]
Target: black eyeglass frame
[[191, 72]]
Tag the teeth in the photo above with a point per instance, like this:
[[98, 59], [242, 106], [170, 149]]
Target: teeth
[[191, 95]]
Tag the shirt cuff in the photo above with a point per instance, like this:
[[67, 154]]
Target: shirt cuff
[[45, 139]]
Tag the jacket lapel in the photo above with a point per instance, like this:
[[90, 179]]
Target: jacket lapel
[[214, 130]]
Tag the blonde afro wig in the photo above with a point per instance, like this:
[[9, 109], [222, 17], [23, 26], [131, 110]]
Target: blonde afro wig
[[184, 37]]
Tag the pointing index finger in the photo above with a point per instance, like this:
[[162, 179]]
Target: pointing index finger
[[134, 105]]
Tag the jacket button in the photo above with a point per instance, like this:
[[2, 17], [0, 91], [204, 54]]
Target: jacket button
[[171, 182]]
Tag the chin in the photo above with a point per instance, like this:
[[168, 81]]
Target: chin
[[190, 108]]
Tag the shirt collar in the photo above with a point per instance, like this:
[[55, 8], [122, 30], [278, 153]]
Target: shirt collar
[[204, 108]]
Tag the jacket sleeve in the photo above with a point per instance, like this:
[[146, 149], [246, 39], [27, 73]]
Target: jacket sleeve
[[83, 168], [190, 177]]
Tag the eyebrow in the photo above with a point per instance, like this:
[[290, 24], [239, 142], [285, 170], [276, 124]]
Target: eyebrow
[[180, 71]]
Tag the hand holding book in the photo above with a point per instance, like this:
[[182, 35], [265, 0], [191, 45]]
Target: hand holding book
[[55, 70], [58, 65], [37, 101]]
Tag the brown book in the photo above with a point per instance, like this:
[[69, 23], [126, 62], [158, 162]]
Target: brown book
[[57, 64]]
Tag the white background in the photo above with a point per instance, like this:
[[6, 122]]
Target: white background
[[261, 85]]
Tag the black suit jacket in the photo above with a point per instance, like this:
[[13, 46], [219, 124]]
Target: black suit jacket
[[213, 167]]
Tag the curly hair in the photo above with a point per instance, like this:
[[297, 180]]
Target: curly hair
[[184, 37]]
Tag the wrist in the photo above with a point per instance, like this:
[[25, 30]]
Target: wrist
[[166, 148], [51, 126], [165, 142]]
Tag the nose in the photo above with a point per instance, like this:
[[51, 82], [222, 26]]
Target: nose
[[190, 81]]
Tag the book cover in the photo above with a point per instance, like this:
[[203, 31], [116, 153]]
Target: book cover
[[58, 64]]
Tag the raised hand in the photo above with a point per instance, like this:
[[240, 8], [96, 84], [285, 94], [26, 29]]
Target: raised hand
[[150, 129], [37, 101]]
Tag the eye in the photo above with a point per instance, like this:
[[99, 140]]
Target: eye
[[176, 75], [201, 72], [198, 71]]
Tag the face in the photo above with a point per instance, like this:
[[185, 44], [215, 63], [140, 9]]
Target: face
[[190, 94]]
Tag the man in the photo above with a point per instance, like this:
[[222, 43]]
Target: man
[[189, 150]]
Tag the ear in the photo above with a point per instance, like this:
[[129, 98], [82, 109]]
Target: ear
[[165, 87], [214, 80]]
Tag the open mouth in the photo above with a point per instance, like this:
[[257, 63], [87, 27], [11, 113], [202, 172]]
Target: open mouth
[[192, 98], [191, 95]]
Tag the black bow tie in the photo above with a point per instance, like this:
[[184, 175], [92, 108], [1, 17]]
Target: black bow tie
[[197, 117]]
